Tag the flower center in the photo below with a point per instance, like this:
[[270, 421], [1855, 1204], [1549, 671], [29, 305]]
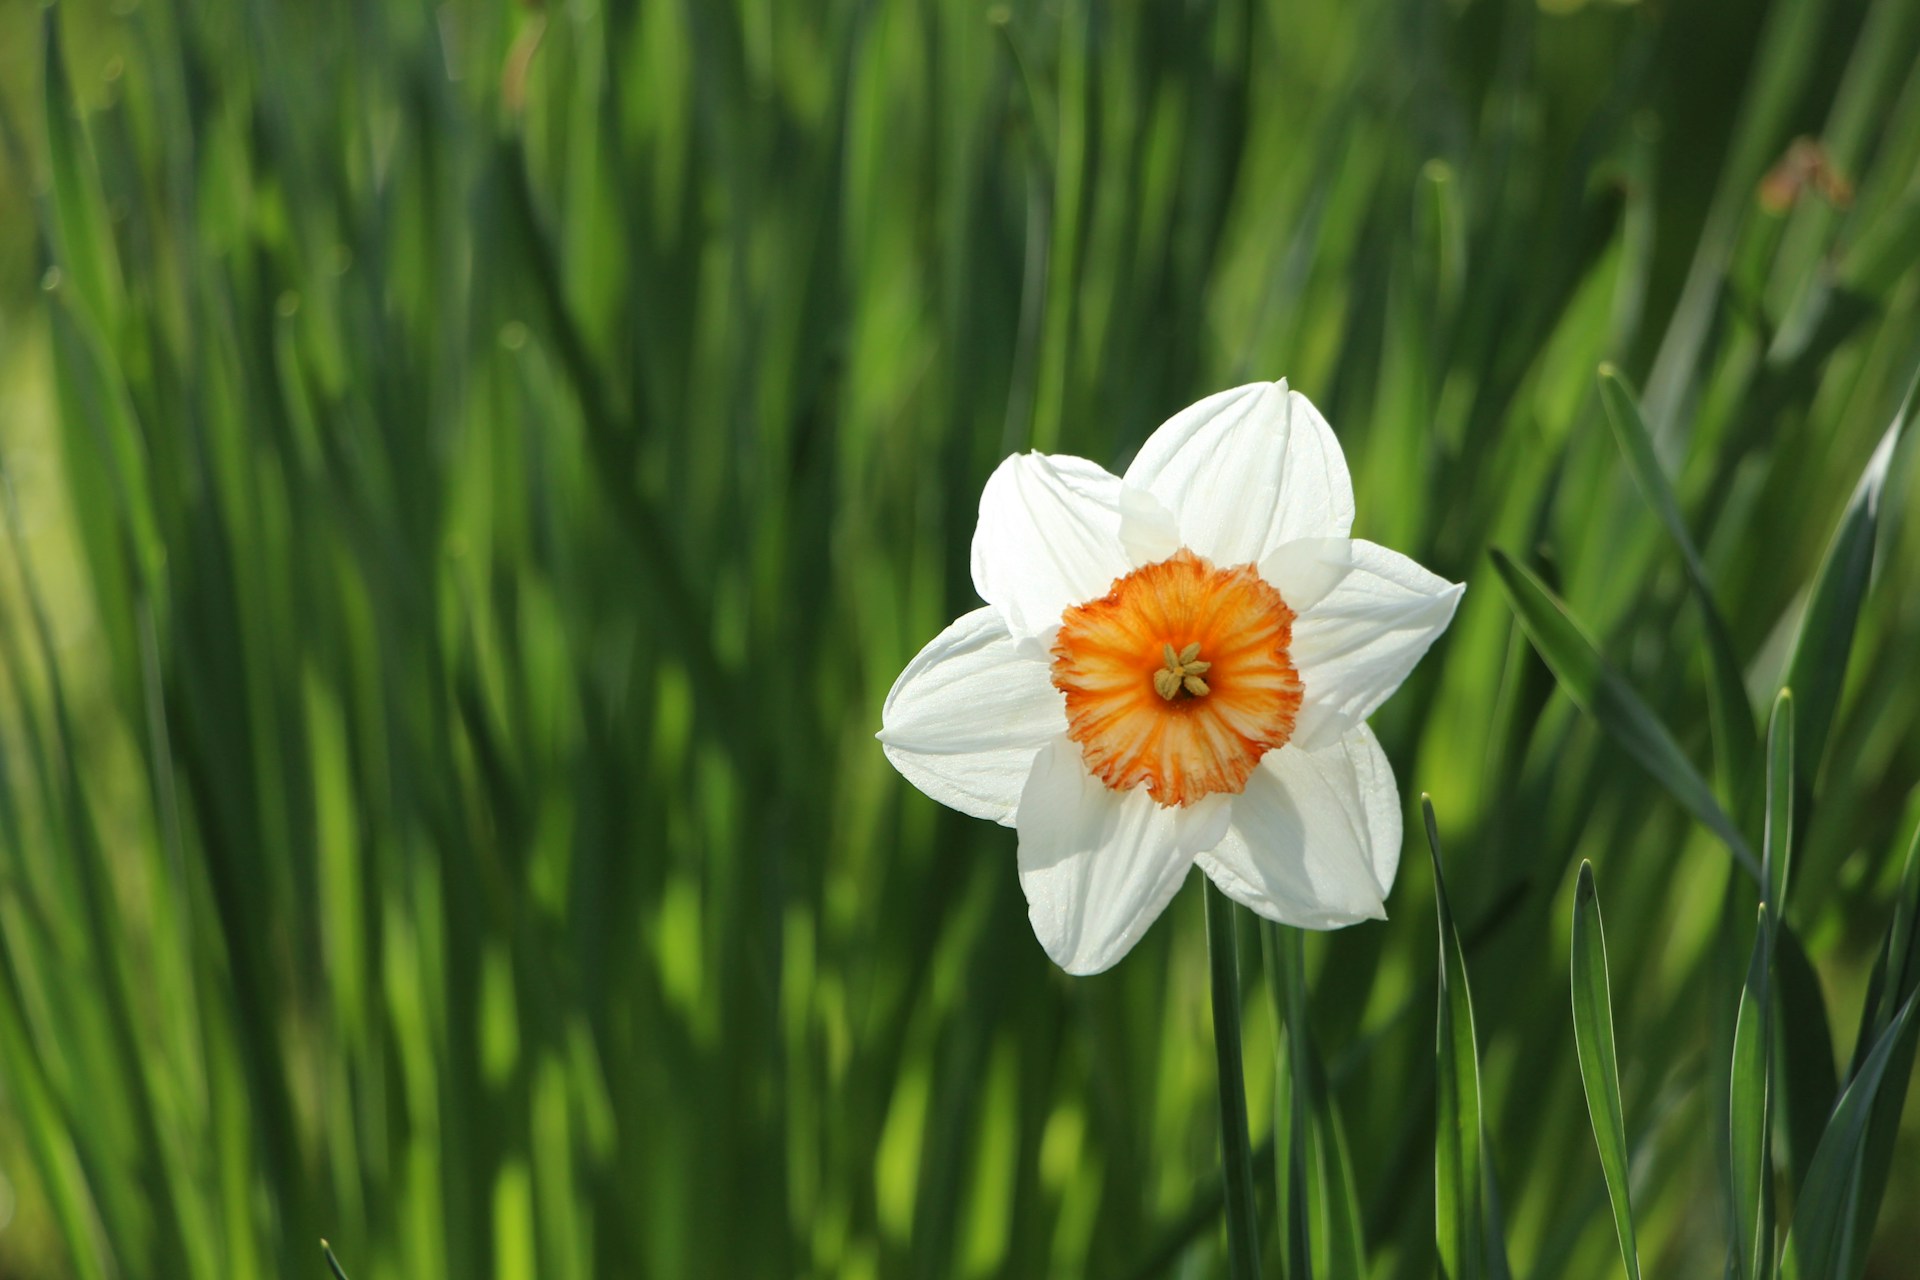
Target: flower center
[[1144, 705]]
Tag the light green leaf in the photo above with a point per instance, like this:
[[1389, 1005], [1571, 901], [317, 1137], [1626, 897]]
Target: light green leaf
[[1776, 846], [80, 223]]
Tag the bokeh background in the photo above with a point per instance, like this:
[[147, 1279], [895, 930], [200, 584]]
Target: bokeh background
[[473, 471]]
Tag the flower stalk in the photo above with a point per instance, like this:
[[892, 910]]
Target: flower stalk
[[1236, 1149]]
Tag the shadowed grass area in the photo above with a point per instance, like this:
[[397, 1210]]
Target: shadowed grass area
[[473, 472]]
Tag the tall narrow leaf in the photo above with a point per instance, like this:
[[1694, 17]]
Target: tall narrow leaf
[[1603, 693], [80, 220], [1321, 1211], [1458, 1214], [1817, 671], [1894, 984], [1280, 951], [1803, 1078], [1236, 1151], [1599, 1069], [1732, 714], [1821, 1244]]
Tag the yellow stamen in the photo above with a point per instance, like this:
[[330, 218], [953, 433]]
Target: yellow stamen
[[1182, 672]]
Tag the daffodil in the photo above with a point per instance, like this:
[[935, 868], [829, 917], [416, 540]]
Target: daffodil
[[1174, 668]]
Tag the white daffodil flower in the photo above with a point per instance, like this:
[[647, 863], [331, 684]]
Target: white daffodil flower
[[1175, 667]]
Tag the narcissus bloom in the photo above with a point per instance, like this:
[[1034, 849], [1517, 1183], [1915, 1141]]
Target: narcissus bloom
[[1173, 668]]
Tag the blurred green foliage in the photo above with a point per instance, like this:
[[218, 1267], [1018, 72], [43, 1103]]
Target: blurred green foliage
[[473, 472]]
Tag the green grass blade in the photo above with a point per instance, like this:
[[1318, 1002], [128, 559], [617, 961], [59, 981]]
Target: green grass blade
[[85, 242], [1898, 970], [1324, 1223], [1603, 693], [333, 1264], [1731, 713], [1458, 1218], [1821, 1242], [1345, 1253], [1236, 1150], [1749, 1113], [1776, 845], [1280, 953], [1599, 1068], [1818, 669]]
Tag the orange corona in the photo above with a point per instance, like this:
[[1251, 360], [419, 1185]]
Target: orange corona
[[1179, 677]]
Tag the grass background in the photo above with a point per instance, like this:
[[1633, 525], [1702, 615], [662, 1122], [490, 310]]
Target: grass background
[[473, 472]]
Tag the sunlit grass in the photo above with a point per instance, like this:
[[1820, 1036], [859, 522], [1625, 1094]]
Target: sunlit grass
[[474, 472]]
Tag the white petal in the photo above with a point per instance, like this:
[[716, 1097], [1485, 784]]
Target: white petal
[[966, 718], [1246, 470], [1306, 570], [1357, 642], [1147, 529], [1097, 865], [1048, 537], [1315, 837]]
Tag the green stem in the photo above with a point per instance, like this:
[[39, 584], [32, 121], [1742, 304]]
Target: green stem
[[1236, 1151]]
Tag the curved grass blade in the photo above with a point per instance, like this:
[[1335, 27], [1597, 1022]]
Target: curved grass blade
[[1776, 843], [1818, 669], [1599, 1068], [1821, 1243], [1236, 1150], [1895, 984], [1749, 1114], [1603, 693], [1458, 1218], [1897, 969], [1345, 1234], [333, 1263], [1731, 713]]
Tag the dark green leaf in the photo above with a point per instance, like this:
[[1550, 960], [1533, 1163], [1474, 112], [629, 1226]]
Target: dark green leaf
[[1821, 1243], [1603, 693], [1895, 983], [1752, 1171], [1727, 694], [1818, 669], [1803, 1076], [1322, 1224], [1458, 1218], [1236, 1149]]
